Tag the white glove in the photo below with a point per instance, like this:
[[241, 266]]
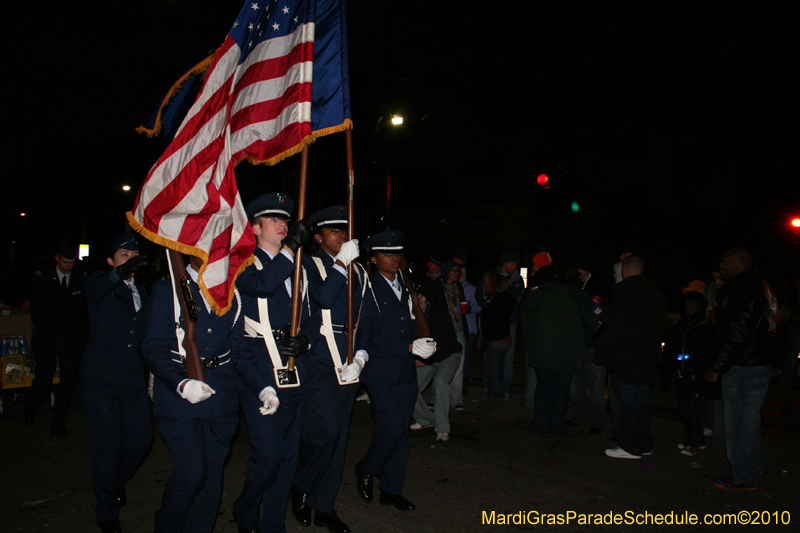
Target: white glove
[[270, 399], [350, 372], [424, 347], [348, 252], [196, 391]]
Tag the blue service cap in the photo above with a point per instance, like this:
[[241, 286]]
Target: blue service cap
[[274, 205], [333, 217], [385, 242], [66, 249], [125, 240]]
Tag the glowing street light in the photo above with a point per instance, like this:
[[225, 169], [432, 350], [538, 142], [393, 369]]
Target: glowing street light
[[126, 188], [397, 120]]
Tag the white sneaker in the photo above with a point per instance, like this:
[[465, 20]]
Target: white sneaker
[[619, 453], [416, 426], [688, 450], [708, 432], [444, 437], [648, 453], [682, 446]]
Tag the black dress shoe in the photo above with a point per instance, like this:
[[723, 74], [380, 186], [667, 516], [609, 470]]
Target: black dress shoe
[[111, 526], [331, 521], [29, 416], [363, 482], [300, 508], [397, 501], [61, 431], [245, 530]]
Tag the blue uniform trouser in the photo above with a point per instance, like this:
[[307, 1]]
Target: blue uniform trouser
[[323, 441], [271, 466], [120, 438], [46, 357], [391, 406], [192, 492]]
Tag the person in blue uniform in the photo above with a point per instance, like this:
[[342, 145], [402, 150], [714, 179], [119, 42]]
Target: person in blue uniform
[[113, 379], [387, 333], [57, 307], [330, 393], [272, 402], [196, 419]]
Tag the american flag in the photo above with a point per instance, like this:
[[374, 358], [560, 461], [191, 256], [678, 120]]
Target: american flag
[[256, 104]]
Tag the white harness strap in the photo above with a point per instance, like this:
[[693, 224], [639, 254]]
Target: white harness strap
[[264, 328], [179, 333], [327, 323]]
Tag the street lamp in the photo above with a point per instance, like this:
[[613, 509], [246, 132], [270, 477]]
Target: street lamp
[[397, 120], [126, 188]]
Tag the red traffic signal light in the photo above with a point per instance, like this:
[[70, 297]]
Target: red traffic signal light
[[795, 223], [542, 179]]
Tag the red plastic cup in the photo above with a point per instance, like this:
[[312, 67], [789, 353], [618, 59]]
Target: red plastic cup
[[463, 306]]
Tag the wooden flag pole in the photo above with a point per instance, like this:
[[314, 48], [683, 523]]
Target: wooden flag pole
[[350, 233], [298, 257], [180, 279]]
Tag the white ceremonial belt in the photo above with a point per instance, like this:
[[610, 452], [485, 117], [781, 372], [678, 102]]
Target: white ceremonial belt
[[327, 331]]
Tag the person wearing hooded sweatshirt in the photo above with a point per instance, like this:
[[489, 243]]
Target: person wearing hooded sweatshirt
[[508, 267]]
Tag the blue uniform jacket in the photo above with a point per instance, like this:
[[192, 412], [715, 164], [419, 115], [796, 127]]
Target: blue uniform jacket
[[332, 294], [385, 331], [112, 352], [255, 366], [56, 315], [215, 336]]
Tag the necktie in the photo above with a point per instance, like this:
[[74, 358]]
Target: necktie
[[64, 283], [137, 300]]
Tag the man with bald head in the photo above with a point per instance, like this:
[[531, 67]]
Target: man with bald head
[[744, 364], [630, 348]]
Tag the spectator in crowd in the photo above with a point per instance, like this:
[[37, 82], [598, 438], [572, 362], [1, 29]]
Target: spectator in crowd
[[57, 307], [687, 355], [556, 325], [113, 379], [456, 397], [495, 333], [508, 267], [448, 328], [541, 272], [791, 317], [744, 364], [630, 348], [588, 390]]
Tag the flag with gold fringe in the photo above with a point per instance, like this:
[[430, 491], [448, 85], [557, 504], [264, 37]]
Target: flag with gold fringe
[[279, 79]]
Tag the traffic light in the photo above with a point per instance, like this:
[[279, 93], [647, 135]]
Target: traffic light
[[543, 180], [575, 207], [795, 223]]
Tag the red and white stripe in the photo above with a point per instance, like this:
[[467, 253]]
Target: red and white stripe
[[257, 110]]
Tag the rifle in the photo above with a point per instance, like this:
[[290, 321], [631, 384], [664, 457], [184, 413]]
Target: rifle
[[189, 308]]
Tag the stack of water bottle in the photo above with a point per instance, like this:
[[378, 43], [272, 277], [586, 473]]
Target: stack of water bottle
[[15, 345]]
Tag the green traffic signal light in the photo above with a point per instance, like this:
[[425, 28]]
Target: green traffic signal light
[[575, 207]]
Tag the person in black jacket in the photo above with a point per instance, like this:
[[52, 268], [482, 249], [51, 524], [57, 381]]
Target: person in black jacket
[[630, 348], [687, 356], [57, 308], [496, 334], [113, 379], [449, 329], [744, 363]]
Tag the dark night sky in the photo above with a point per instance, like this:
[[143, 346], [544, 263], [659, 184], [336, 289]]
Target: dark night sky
[[674, 126]]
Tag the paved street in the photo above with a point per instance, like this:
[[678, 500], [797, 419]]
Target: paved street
[[491, 464]]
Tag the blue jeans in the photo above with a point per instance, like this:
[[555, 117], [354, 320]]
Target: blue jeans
[[493, 375], [589, 408], [744, 389], [552, 399], [630, 413]]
